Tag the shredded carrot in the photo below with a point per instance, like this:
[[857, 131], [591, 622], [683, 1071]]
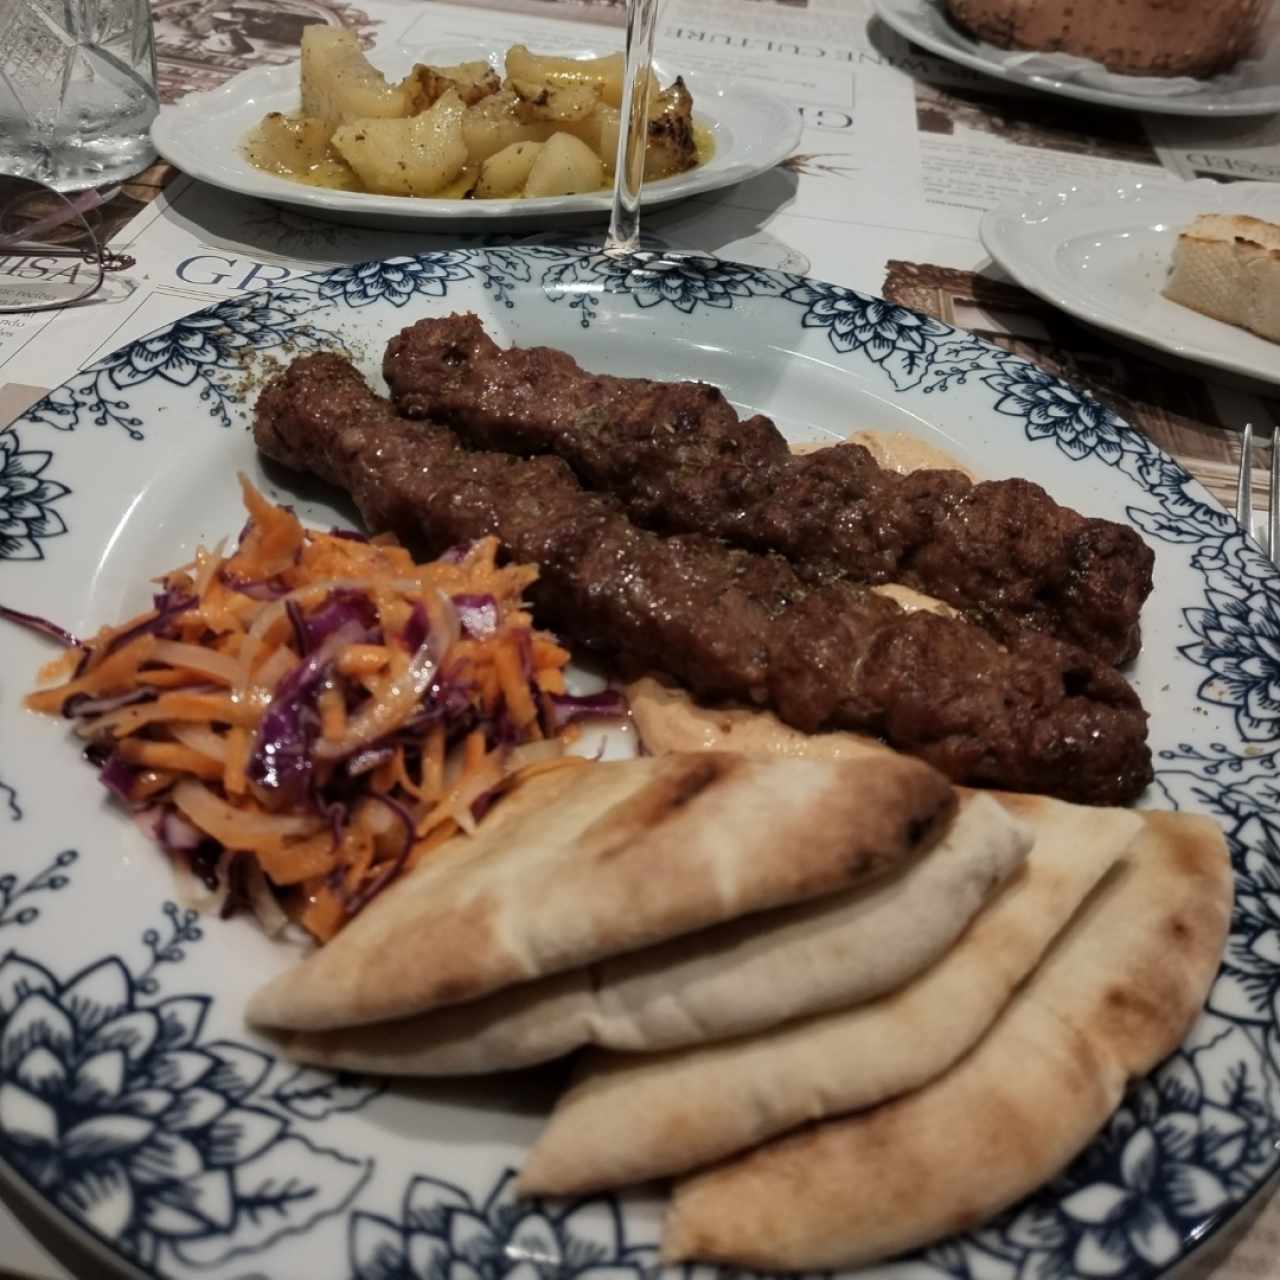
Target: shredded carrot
[[444, 832], [400, 775], [473, 751], [515, 686], [362, 659], [333, 714], [168, 755], [118, 670], [64, 664], [301, 860], [433, 762], [317, 702], [235, 780], [151, 782], [549, 680], [324, 912]]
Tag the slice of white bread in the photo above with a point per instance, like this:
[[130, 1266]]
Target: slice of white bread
[[1228, 266]]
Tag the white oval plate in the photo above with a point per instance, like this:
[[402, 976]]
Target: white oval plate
[[204, 133], [1101, 252], [1254, 90], [134, 1103]]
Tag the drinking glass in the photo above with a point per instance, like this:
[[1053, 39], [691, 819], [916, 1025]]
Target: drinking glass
[[77, 90], [633, 128]]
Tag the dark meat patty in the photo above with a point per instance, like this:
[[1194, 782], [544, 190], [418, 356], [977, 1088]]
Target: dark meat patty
[[681, 461], [1036, 715]]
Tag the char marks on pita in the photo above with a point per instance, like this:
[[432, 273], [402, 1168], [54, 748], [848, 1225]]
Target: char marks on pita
[[1115, 995], [634, 1117], [729, 980], [616, 857]]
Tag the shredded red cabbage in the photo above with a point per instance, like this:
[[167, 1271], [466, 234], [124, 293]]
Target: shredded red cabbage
[[42, 626], [524, 643], [281, 760], [119, 778], [448, 702], [350, 534], [478, 614], [301, 642], [264, 589], [168, 605], [82, 705], [415, 630], [238, 898], [343, 606], [177, 834], [168, 828], [568, 707], [502, 730], [483, 803]]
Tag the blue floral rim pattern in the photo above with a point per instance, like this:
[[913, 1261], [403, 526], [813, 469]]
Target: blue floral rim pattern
[[183, 1153]]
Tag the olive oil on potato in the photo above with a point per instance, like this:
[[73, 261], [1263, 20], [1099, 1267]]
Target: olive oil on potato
[[279, 145]]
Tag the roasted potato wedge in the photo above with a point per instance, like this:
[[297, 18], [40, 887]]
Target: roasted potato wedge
[[415, 156], [340, 84], [459, 130], [506, 172], [424, 85], [670, 147], [564, 166], [292, 145], [606, 72], [498, 121], [546, 100]]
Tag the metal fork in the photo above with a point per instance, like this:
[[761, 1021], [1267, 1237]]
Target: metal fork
[[1244, 493]]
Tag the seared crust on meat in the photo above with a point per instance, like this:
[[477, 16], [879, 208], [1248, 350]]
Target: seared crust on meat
[[1037, 715], [681, 461]]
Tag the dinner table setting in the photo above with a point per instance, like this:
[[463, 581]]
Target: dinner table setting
[[718, 709]]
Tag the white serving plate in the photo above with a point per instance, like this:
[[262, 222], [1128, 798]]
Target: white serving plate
[[206, 1156], [1101, 252], [204, 133], [1252, 90]]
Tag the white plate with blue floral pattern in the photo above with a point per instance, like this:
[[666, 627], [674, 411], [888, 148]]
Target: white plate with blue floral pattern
[[750, 129], [136, 1106]]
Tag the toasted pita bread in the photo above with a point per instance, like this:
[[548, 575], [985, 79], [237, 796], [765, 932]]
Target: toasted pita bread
[[725, 981], [629, 1118], [1116, 994], [616, 856], [668, 719]]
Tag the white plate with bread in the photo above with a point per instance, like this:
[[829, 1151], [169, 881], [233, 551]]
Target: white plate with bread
[[1218, 58], [1191, 268]]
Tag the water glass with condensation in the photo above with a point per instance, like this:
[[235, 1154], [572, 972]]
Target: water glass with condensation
[[77, 90]]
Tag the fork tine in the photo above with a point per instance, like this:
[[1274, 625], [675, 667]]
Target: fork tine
[[1244, 485], [1273, 500]]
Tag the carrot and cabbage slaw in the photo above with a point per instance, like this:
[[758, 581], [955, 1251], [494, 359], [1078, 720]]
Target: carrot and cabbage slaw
[[304, 719]]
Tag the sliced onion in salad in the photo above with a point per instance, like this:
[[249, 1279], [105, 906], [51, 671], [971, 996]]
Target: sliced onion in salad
[[301, 722]]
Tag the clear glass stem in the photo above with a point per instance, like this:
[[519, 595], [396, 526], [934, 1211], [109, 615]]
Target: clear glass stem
[[633, 127]]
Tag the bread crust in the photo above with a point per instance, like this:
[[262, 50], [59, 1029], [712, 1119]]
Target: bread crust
[[1139, 37], [1227, 267]]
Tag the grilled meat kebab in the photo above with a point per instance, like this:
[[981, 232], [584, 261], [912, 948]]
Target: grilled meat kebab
[[1037, 715], [681, 461]]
